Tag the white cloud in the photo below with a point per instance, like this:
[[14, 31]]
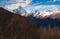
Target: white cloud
[[12, 6], [19, 0], [54, 0], [21, 3], [25, 3], [42, 7], [46, 7]]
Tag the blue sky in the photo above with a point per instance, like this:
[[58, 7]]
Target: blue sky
[[31, 5], [41, 2], [47, 2]]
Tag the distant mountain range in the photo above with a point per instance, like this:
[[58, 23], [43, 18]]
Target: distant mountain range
[[37, 14], [46, 14], [44, 18]]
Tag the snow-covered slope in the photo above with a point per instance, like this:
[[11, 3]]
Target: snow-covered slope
[[42, 13], [20, 11], [36, 13], [46, 13]]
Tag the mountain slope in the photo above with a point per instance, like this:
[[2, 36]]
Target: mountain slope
[[14, 26], [55, 16]]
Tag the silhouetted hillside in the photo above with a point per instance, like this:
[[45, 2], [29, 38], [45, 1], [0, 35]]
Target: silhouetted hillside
[[45, 22], [13, 26]]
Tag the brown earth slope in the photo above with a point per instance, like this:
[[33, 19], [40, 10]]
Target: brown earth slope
[[13, 26], [55, 16]]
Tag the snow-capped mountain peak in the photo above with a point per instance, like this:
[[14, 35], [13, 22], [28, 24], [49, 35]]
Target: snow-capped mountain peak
[[20, 11], [28, 12], [36, 13], [45, 13]]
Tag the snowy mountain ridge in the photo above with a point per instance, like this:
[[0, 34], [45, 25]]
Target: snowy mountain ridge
[[21, 11], [46, 13]]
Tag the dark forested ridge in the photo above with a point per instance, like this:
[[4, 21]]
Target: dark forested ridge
[[45, 22]]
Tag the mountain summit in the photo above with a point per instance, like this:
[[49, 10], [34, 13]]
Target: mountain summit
[[20, 11]]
